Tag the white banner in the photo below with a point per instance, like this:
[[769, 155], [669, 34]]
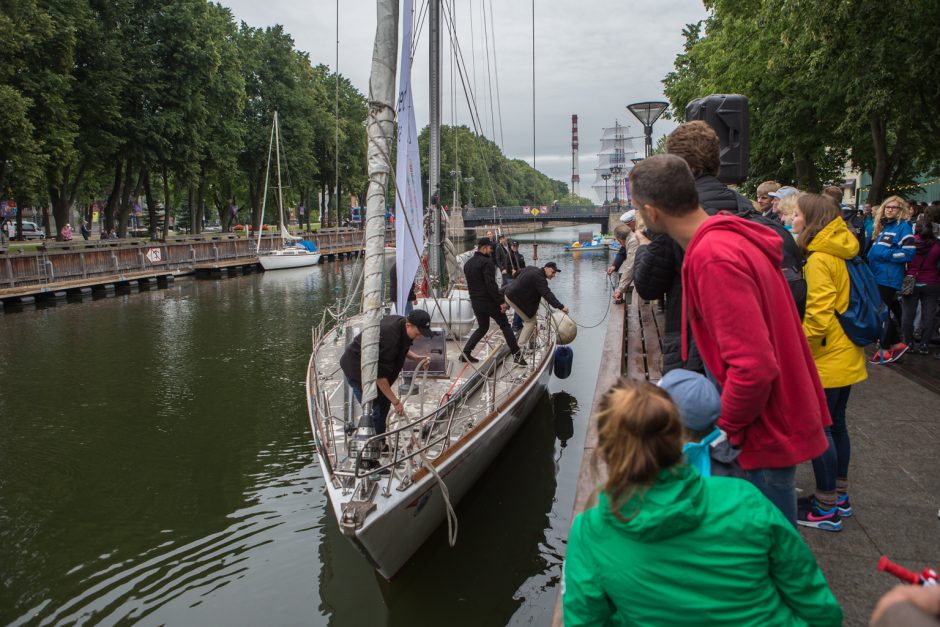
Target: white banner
[[409, 200]]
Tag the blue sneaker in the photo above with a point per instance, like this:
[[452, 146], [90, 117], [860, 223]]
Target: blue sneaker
[[845, 508], [813, 516]]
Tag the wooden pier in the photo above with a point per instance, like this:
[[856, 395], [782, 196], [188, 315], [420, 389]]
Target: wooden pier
[[58, 270]]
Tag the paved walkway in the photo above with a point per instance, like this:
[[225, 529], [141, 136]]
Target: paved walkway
[[894, 423], [894, 483]]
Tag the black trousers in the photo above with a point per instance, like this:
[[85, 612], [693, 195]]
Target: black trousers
[[483, 325], [889, 333]]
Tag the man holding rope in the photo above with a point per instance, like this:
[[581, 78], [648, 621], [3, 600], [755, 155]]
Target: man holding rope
[[526, 292]]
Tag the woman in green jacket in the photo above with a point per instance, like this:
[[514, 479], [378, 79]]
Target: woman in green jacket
[[666, 546]]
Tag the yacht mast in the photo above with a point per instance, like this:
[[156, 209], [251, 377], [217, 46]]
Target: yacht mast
[[380, 129], [434, 144]]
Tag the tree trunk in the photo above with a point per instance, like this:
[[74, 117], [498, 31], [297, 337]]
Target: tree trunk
[[257, 193], [151, 205], [879, 178], [200, 200], [111, 210], [192, 210], [125, 207], [166, 202], [806, 178]]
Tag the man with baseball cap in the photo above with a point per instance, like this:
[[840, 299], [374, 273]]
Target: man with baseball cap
[[486, 301], [396, 334], [526, 292]]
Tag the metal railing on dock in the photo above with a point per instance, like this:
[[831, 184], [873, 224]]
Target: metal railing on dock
[[58, 262]]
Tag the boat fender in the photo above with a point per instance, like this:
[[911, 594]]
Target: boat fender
[[565, 327], [564, 357]]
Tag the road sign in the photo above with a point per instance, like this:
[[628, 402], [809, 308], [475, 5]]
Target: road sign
[[154, 255]]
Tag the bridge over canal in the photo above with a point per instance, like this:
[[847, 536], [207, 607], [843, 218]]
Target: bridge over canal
[[605, 217]]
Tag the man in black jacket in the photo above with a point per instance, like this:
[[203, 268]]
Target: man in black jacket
[[501, 258], [486, 301], [526, 292], [396, 334], [658, 266]]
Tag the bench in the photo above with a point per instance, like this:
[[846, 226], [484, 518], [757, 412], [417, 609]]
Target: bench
[[644, 327]]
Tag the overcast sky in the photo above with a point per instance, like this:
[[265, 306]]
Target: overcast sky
[[592, 58]]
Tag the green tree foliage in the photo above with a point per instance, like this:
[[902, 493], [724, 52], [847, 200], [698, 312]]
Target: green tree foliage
[[497, 180], [825, 79]]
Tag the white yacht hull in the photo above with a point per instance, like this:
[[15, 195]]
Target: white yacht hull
[[280, 259]]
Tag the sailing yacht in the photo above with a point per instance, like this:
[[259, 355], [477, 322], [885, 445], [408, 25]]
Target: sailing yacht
[[390, 491], [294, 252]]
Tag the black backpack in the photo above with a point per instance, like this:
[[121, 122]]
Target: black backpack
[[793, 259]]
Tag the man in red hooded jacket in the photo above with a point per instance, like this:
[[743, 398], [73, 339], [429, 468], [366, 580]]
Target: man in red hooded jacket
[[746, 326]]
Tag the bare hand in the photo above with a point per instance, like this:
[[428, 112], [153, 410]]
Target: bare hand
[[641, 238], [925, 598], [610, 269], [565, 310], [618, 294], [400, 408]]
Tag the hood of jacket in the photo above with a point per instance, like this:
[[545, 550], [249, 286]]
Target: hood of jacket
[[674, 505], [835, 239], [765, 238]]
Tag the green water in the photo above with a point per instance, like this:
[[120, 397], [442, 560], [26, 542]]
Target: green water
[[156, 466]]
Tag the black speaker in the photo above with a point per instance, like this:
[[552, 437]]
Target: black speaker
[[727, 114]]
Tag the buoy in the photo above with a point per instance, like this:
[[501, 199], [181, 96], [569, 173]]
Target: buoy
[[564, 357], [565, 327]]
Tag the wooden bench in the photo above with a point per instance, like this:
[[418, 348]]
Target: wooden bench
[[644, 327]]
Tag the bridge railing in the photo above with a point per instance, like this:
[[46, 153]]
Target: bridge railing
[[519, 213]]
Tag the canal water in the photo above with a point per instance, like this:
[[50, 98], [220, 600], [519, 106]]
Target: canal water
[[156, 466]]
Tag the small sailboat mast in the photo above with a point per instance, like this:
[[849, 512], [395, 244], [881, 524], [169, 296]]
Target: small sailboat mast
[[434, 144]]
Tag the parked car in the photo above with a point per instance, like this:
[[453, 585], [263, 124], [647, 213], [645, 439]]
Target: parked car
[[30, 230]]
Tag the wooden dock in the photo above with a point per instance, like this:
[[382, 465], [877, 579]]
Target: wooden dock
[[632, 348]]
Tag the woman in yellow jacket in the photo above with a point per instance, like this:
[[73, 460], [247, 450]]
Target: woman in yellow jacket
[[828, 244]]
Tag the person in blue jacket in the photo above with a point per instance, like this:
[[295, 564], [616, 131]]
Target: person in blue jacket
[[891, 249]]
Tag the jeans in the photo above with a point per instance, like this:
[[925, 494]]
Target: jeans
[[927, 296], [889, 332], [380, 407], [778, 485], [837, 399], [483, 325]]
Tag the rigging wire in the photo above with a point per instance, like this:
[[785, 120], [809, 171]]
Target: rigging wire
[[489, 74], [336, 126], [473, 51], [499, 105], [418, 25]]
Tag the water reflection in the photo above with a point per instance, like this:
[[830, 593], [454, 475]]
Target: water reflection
[[156, 465]]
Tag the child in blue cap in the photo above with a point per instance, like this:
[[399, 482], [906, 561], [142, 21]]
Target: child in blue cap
[[707, 449]]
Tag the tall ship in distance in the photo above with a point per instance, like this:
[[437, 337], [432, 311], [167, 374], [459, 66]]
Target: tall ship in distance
[[614, 162]]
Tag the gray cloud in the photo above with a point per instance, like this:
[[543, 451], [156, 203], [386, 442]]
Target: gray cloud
[[593, 57]]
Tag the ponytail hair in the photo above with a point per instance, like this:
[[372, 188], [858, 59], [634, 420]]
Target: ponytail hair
[[639, 435]]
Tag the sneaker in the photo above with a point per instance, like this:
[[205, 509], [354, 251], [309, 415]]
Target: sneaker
[[813, 516], [921, 349], [880, 357], [895, 353], [845, 508], [468, 358], [519, 360]]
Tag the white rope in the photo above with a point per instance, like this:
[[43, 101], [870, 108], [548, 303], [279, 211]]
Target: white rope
[[445, 494]]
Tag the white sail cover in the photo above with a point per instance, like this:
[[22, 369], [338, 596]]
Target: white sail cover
[[380, 127], [409, 201]]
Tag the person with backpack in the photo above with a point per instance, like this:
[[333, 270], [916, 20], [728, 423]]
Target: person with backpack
[[840, 362], [891, 249], [924, 278], [740, 310]]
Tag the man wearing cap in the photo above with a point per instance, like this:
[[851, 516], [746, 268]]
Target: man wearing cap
[[486, 301], [629, 218], [777, 196], [527, 291], [515, 261], [396, 334]]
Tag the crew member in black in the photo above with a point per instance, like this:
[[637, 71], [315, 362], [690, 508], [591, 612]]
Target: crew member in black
[[395, 337], [486, 301], [526, 292], [393, 289], [501, 259], [515, 262]]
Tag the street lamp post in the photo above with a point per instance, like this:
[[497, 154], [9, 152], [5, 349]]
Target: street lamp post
[[615, 172], [469, 181], [647, 113], [606, 177]]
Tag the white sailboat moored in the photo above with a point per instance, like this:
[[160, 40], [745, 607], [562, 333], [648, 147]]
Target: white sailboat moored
[[390, 491]]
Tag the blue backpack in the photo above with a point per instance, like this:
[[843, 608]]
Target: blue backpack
[[866, 314]]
